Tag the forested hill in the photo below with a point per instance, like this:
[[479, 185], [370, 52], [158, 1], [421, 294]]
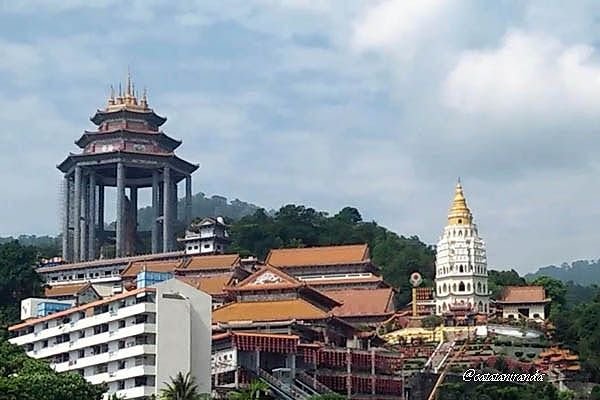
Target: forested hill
[[582, 272], [203, 206]]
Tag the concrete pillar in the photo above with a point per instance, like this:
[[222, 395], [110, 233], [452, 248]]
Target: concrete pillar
[[92, 218], [133, 198], [167, 208], [188, 200], [77, 215], [101, 210], [161, 208], [67, 210], [155, 212], [120, 234], [85, 208], [175, 213], [349, 372]]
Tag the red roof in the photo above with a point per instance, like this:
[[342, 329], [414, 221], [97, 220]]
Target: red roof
[[523, 294], [326, 255], [363, 302]]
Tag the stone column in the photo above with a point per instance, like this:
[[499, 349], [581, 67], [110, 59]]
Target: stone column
[[66, 209], [84, 218], [92, 218], [120, 234], [77, 215], [155, 212], [188, 200], [167, 208], [133, 198], [101, 211]]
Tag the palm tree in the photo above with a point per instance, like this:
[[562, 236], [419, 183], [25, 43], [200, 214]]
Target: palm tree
[[256, 390], [182, 387]]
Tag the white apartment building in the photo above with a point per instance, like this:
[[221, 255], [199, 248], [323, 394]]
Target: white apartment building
[[134, 341]]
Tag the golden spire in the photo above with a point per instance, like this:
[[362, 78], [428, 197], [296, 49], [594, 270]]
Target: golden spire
[[111, 99], [144, 101], [459, 211]]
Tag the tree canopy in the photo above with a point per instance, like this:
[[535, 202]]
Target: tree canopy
[[24, 378], [18, 279]]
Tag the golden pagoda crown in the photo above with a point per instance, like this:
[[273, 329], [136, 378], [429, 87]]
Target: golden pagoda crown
[[127, 99], [459, 213]]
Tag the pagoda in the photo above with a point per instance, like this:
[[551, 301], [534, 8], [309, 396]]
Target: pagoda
[[461, 267], [128, 151]]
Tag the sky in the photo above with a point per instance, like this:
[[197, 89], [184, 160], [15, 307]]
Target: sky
[[378, 105]]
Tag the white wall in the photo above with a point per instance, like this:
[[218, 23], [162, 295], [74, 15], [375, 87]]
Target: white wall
[[183, 333]]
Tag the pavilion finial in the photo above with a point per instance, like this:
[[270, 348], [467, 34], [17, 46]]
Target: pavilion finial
[[111, 99], [144, 101], [128, 82]]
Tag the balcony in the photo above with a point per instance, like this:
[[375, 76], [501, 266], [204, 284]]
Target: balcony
[[133, 393], [142, 370], [84, 323]]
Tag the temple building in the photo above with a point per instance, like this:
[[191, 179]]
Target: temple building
[[209, 236], [527, 302], [127, 151], [461, 284]]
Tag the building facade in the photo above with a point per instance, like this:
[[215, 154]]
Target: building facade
[[127, 341], [523, 302], [461, 267]]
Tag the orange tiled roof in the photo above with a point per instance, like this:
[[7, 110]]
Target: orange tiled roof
[[267, 278], [209, 262], [70, 311], [326, 255], [136, 267], [336, 281], [524, 294], [65, 290], [363, 302], [280, 310], [213, 285]]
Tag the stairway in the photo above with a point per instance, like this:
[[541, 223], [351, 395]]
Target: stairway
[[313, 383], [281, 389], [439, 356]]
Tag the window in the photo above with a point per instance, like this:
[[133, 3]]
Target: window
[[206, 246], [101, 369], [122, 365], [120, 385], [44, 344], [461, 287], [81, 353], [122, 323]]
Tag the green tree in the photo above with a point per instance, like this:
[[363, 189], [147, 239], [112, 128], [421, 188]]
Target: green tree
[[256, 390], [18, 279], [498, 280], [555, 289], [328, 396], [24, 378], [181, 387]]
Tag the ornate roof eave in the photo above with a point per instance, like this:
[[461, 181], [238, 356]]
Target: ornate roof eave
[[128, 112], [180, 163], [162, 137]]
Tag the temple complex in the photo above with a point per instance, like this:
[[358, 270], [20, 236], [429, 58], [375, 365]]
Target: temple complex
[[461, 288], [127, 151]]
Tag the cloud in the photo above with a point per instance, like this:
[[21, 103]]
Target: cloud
[[529, 74], [396, 23]]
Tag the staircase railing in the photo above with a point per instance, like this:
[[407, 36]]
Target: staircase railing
[[280, 386], [312, 382]]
